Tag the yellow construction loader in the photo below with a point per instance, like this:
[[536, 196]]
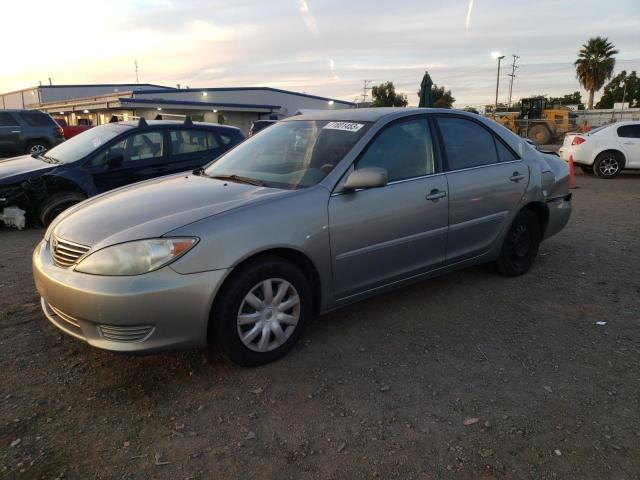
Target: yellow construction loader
[[538, 122]]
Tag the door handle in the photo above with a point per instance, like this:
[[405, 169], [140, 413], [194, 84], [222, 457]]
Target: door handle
[[15, 131], [516, 177], [436, 195], [628, 143]]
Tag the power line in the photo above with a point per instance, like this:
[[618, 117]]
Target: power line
[[365, 88], [136, 63], [512, 75]]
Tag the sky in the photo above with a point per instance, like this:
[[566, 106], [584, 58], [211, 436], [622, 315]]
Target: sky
[[322, 47]]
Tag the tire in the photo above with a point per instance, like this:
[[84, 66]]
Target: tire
[[35, 147], [608, 165], [587, 169], [521, 244], [56, 203], [539, 134], [259, 316]]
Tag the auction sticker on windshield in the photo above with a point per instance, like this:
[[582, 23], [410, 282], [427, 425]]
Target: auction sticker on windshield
[[346, 126]]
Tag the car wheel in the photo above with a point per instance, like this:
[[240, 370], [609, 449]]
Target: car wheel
[[608, 165], [539, 134], [587, 169], [36, 147], [260, 311], [520, 246], [55, 204]]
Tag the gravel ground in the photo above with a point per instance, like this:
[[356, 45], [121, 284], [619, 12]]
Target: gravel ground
[[467, 376]]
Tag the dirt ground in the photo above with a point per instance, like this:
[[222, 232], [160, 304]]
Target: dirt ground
[[470, 375]]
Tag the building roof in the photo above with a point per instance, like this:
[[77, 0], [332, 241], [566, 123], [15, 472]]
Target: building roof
[[163, 101]]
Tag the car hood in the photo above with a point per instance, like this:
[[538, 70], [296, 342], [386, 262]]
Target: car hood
[[151, 209], [18, 168]]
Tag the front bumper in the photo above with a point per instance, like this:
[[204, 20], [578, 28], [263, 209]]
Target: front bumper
[[559, 213], [161, 310]]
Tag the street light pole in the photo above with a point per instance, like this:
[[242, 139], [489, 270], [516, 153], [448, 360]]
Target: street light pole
[[499, 57]]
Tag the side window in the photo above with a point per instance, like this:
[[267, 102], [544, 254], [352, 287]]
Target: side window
[[36, 119], [629, 131], [212, 141], [504, 154], [188, 141], [404, 150], [7, 120], [467, 143], [142, 146]]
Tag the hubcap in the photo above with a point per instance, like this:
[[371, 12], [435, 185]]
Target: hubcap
[[268, 315], [38, 149], [609, 166]]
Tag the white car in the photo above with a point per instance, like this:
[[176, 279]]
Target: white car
[[606, 150]]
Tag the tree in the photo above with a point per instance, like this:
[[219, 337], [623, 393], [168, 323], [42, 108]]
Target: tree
[[574, 98], [441, 98], [595, 65], [614, 90], [384, 95]]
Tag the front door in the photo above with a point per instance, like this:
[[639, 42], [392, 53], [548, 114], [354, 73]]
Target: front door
[[486, 183], [381, 235], [138, 157]]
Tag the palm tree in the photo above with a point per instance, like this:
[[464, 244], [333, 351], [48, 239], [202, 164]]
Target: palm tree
[[595, 65]]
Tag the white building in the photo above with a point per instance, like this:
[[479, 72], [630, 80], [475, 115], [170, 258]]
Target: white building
[[99, 104]]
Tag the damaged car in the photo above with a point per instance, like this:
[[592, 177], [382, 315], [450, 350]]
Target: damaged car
[[38, 187]]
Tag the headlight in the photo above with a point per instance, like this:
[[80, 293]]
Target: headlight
[[137, 257]]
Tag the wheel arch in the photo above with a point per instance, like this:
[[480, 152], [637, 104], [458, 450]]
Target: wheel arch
[[298, 258], [541, 210], [611, 150]]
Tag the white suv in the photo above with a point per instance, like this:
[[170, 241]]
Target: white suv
[[606, 150]]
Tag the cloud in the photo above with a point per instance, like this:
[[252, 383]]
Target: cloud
[[307, 17]]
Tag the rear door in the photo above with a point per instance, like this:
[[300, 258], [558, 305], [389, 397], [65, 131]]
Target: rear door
[[10, 131], [486, 183], [386, 234], [137, 157], [629, 139]]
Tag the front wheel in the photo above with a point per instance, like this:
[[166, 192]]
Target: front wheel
[[57, 203], [520, 246], [260, 311]]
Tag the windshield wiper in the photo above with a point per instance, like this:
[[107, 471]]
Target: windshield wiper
[[239, 179]]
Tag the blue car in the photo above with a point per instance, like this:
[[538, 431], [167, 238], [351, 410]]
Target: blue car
[[106, 157]]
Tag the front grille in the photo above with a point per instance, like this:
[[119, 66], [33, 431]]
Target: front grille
[[66, 253], [127, 334]]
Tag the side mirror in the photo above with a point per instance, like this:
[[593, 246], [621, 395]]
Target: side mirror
[[114, 161], [368, 177]]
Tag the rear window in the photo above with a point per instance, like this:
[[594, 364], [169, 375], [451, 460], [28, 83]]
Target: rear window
[[36, 119]]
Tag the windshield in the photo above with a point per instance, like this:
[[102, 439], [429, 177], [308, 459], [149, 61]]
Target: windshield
[[84, 143], [294, 154]]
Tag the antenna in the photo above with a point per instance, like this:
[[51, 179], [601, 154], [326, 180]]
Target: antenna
[[136, 64], [142, 123], [187, 120], [512, 75]]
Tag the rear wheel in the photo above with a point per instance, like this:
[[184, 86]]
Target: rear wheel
[[608, 165], [260, 312], [36, 147], [540, 134], [55, 204], [521, 244]]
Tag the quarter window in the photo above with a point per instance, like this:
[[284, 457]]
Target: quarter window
[[629, 131], [404, 150], [467, 144], [36, 119]]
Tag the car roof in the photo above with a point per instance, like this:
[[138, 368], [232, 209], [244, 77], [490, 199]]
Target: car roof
[[21, 110], [369, 114], [151, 123]]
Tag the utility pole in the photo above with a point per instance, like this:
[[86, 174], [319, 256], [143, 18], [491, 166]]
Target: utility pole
[[512, 75], [499, 57], [365, 88], [136, 63]]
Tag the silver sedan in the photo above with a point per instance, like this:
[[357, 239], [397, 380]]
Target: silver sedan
[[311, 214]]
